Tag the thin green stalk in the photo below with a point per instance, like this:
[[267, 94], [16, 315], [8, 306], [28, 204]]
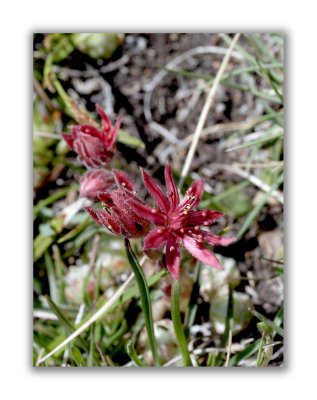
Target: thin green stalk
[[193, 302], [133, 355], [212, 360], [179, 332], [145, 300], [259, 358]]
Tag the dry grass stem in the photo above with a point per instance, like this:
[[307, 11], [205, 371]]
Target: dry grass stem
[[224, 127], [93, 318], [204, 113]]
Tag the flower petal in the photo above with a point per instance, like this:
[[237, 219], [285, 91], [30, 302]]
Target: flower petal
[[156, 239], [204, 217], [199, 251], [149, 213], [173, 257], [155, 191], [113, 136], [88, 130], [69, 139], [103, 219], [106, 199], [123, 180], [173, 196], [192, 196], [216, 240], [96, 181], [105, 121]]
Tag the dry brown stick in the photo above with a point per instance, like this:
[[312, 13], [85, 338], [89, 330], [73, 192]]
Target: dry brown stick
[[205, 110]]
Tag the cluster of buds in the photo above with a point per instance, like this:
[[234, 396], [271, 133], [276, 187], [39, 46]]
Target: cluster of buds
[[117, 215], [95, 149]]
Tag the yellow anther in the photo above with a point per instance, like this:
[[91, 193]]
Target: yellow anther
[[123, 184], [109, 227], [185, 212]]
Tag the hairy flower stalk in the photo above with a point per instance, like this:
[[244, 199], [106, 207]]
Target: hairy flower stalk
[[95, 148], [178, 223], [117, 215]]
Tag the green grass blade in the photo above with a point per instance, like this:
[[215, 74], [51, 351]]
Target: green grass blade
[[59, 270], [51, 276], [193, 303], [229, 322], [80, 362], [59, 314], [128, 294], [126, 138], [59, 194], [270, 323], [252, 215], [212, 360], [145, 299], [132, 354], [176, 317], [265, 139], [247, 352]]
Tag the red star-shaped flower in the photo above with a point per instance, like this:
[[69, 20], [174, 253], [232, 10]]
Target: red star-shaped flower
[[178, 223], [94, 147]]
